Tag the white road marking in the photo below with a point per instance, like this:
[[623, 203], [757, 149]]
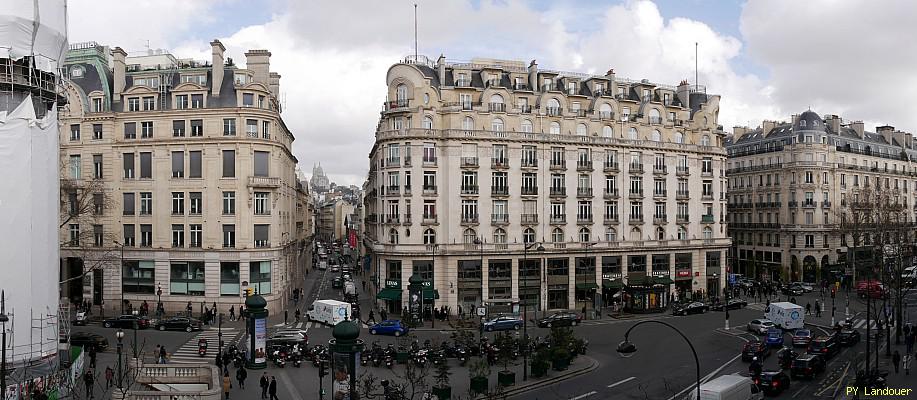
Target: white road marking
[[299, 325], [622, 381], [583, 396]]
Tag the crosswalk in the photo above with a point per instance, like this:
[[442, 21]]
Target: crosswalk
[[187, 353]]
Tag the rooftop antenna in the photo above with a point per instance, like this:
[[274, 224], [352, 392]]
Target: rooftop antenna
[[415, 31]]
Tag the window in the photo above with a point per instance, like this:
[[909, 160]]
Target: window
[[133, 104], [187, 278], [555, 128], [146, 203], [632, 133], [197, 235], [229, 163], [499, 236], [262, 235], [427, 123], [146, 165], [181, 101], [528, 235], [178, 235], [607, 131], [149, 103], [260, 276], [251, 128], [138, 276], [611, 235], [178, 203], [130, 130], [178, 128], [810, 240], [526, 126], [128, 235], [393, 236], [229, 236], [248, 99], [557, 235], [196, 203], [705, 140], [128, 203], [197, 127], [178, 164], [679, 137], [146, 235], [581, 129], [656, 136], [229, 127], [229, 203], [497, 125], [146, 129], [96, 131], [194, 161], [197, 101], [75, 167], [584, 235], [682, 233], [229, 278], [75, 132], [262, 203], [262, 159], [429, 236], [97, 105], [98, 236], [97, 166], [708, 232], [469, 236]]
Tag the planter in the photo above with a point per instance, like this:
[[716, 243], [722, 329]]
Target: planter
[[479, 384], [539, 370], [560, 364], [506, 378], [442, 392]]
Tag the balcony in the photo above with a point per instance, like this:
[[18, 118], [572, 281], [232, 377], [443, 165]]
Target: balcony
[[706, 172], [397, 105], [558, 191], [558, 164], [499, 163], [407, 161], [681, 194], [611, 166], [708, 197], [496, 107], [553, 111], [583, 192], [584, 218], [428, 219], [429, 189], [611, 193], [263, 182], [499, 191], [393, 162], [808, 204], [529, 219], [499, 218], [469, 162], [529, 190], [660, 169], [392, 219], [469, 189], [655, 120], [521, 86], [682, 219], [682, 171], [429, 161], [584, 165], [558, 219], [707, 219], [524, 109], [611, 219], [636, 219], [549, 87], [660, 219], [529, 163], [635, 193], [635, 168], [406, 219], [469, 218], [606, 115], [392, 190], [825, 204], [659, 193], [578, 113]]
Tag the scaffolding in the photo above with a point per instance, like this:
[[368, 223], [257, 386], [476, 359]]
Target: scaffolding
[[20, 78]]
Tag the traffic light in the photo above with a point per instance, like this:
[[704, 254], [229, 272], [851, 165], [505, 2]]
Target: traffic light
[[321, 369], [833, 291], [248, 292]]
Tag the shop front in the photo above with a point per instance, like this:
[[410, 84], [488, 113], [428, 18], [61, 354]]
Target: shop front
[[391, 295], [646, 295]]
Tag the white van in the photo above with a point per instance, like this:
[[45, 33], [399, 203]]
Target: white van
[[329, 312], [786, 315], [728, 387]]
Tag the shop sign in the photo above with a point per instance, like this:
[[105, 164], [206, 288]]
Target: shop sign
[[392, 283], [683, 273]]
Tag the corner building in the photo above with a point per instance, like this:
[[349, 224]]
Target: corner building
[[621, 182], [194, 185]]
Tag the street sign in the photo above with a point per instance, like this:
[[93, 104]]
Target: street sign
[[482, 311]]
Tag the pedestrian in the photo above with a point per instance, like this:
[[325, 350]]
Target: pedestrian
[[906, 360], [272, 389], [909, 340], [109, 376], [297, 315], [241, 311], [162, 354], [364, 285], [372, 317], [227, 384], [241, 374], [92, 356], [817, 308], [896, 359], [383, 314], [232, 312], [793, 299], [286, 315], [264, 384], [189, 308], [89, 380]]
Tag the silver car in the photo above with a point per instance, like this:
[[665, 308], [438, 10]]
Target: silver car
[[760, 326]]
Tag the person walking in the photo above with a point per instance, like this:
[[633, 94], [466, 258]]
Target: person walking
[[89, 380], [272, 389], [297, 315], [109, 376], [92, 356], [896, 360], [817, 308], [227, 384], [232, 312], [241, 374], [372, 317], [264, 385], [906, 360], [364, 285], [286, 315], [909, 340], [383, 314], [162, 354]]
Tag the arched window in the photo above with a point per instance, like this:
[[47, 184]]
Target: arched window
[[497, 125], [656, 136], [584, 235], [607, 131], [708, 233], [429, 236], [469, 235], [705, 140], [581, 129], [393, 236], [654, 116], [660, 233], [401, 93], [632, 133], [555, 128], [636, 234], [682, 233], [528, 235], [426, 98], [76, 71], [499, 235], [605, 111], [705, 121], [611, 235], [468, 124], [802, 123], [496, 98], [557, 236], [526, 125], [553, 104], [427, 123], [679, 138]]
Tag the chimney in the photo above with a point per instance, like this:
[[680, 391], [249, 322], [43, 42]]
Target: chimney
[[274, 85], [834, 123], [738, 132], [613, 87], [886, 131], [441, 69], [216, 67], [903, 139], [683, 92], [768, 126], [533, 75], [119, 70], [857, 127], [259, 63]]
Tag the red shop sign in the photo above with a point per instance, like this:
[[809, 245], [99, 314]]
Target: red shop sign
[[683, 273]]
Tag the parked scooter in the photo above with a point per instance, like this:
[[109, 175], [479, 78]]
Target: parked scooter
[[202, 347]]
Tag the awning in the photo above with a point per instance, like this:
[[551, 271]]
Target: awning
[[430, 294], [664, 280], [641, 281], [612, 284], [389, 294], [586, 286]]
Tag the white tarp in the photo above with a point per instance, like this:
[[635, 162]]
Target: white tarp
[[34, 27], [29, 197]]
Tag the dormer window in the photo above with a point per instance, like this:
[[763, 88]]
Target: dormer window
[[181, 101], [149, 103], [462, 80], [248, 100], [197, 101], [76, 72], [97, 105], [152, 82], [260, 101], [802, 123], [198, 79], [133, 104], [240, 79], [571, 87]]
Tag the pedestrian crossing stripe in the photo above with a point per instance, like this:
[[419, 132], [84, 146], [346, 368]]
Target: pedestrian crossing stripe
[[187, 353]]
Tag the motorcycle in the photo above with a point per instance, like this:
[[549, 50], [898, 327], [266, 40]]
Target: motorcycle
[[785, 357], [279, 358], [202, 347], [364, 358], [420, 357], [462, 355], [389, 356]]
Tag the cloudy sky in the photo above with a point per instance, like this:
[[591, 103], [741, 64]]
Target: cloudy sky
[[767, 58]]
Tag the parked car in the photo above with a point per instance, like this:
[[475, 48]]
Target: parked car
[[772, 382], [802, 337], [81, 318], [806, 287], [87, 340], [807, 366], [731, 304], [874, 289], [337, 283], [694, 307], [848, 337], [179, 323], [774, 337], [389, 327], [760, 326], [335, 269], [824, 345], [127, 322], [560, 319], [503, 322], [753, 349], [792, 290]]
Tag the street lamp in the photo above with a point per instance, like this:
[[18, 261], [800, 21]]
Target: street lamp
[[136, 313], [120, 336], [627, 349], [525, 308], [480, 242], [432, 301], [583, 267], [3, 320], [122, 266]]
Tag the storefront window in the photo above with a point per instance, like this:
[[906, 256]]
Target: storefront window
[[138, 276], [229, 279], [636, 263], [260, 276], [187, 278], [558, 267]]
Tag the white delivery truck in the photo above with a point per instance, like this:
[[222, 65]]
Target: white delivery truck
[[786, 315], [329, 312], [350, 288], [323, 265], [727, 387]]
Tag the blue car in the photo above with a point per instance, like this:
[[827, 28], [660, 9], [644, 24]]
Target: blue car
[[503, 322], [389, 327], [774, 337]]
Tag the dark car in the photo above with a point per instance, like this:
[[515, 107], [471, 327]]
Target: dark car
[[755, 349], [792, 290], [86, 340], [802, 337], [560, 319], [503, 322], [731, 304], [337, 283], [827, 346], [848, 337], [694, 307], [807, 366], [772, 382], [179, 324], [127, 322]]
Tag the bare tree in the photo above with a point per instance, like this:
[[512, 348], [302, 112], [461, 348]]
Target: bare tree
[[83, 204]]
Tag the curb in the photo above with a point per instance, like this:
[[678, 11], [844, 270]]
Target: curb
[[518, 390]]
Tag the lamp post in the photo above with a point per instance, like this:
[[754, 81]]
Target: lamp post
[[3, 320], [122, 266], [120, 336], [432, 313], [220, 335], [583, 267], [480, 242], [136, 313], [159, 306], [525, 307], [627, 349]]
